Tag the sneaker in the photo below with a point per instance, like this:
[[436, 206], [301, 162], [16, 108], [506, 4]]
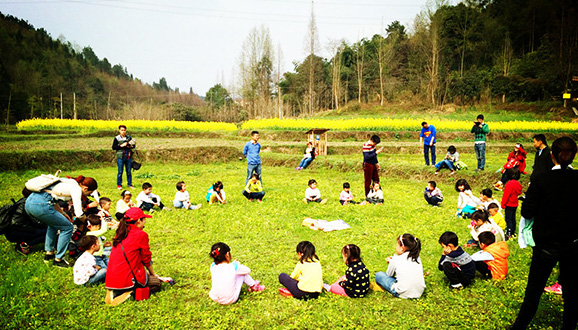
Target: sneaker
[[195, 207], [119, 187], [327, 287], [376, 287], [48, 257], [257, 287], [456, 287], [556, 288], [452, 172], [120, 299], [437, 172], [108, 297], [61, 263], [260, 201], [285, 293], [250, 199], [131, 187], [23, 248], [297, 168]]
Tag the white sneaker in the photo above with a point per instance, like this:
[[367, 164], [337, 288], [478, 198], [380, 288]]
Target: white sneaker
[[327, 287]]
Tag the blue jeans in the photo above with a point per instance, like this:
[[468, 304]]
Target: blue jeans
[[305, 161], [98, 277], [480, 149], [124, 163], [256, 168], [447, 163], [386, 282], [101, 261], [40, 207], [254, 195], [426, 149]]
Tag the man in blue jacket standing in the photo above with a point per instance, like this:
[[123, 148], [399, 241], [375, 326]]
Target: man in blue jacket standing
[[428, 137], [251, 151]]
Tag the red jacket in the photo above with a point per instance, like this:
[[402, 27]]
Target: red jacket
[[138, 253], [512, 190], [498, 266], [518, 160]]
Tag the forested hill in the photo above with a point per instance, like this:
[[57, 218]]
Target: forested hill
[[35, 69]]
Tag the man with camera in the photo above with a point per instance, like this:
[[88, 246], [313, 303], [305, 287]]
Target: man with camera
[[480, 130], [123, 144]]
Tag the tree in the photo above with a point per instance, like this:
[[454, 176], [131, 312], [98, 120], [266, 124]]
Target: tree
[[218, 96], [256, 67]]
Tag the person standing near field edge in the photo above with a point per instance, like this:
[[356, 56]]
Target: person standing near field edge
[[480, 130], [123, 146], [251, 151], [370, 163], [428, 137]]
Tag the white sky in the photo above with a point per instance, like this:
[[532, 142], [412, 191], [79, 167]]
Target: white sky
[[197, 43]]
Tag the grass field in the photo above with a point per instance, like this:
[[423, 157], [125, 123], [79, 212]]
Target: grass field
[[263, 237]]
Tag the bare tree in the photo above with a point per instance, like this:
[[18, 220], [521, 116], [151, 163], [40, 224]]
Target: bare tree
[[256, 69], [313, 42], [359, 63]]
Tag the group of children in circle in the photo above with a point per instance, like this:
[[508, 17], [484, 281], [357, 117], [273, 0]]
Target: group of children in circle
[[306, 280]]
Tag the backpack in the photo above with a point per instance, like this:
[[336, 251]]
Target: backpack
[[42, 182], [14, 216]]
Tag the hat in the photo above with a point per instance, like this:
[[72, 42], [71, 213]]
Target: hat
[[126, 192], [135, 213]]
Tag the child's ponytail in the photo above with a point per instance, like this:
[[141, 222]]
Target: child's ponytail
[[219, 252], [412, 245]]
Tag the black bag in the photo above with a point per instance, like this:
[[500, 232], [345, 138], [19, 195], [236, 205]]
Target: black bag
[[136, 165], [14, 216]]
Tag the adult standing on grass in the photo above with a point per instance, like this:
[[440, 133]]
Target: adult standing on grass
[[43, 206], [550, 201], [130, 255], [370, 163], [428, 137], [251, 151], [543, 159], [480, 130], [123, 145]]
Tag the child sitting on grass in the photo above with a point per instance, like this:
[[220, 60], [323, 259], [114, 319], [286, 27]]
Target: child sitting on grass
[[432, 194], [182, 199], [312, 193], [408, 268], [375, 195], [512, 190], [123, 204], [346, 196], [486, 198], [355, 282], [481, 222], [228, 277], [97, 227], [467, 202], [449, 161], [86, 271], [254, 189], [216, 194], [146, 200], [456, 264], [104, 212], [496, 215], [306, 280], [492, 261]]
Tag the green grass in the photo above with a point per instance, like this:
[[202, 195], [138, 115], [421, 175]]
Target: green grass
[[263, 237]]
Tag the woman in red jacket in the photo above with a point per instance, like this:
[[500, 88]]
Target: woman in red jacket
[[129, 257], [516, 159]]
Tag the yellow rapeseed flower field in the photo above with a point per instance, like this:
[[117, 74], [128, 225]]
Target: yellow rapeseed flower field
[[389, 124], [145, 125]]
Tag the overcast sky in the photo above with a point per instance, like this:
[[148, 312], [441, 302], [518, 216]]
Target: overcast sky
[[197, 43]]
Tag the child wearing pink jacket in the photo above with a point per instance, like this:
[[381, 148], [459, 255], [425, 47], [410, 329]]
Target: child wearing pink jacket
[[228, 277]]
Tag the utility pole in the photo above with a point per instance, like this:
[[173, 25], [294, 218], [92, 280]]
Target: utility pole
[[74, 104], [8, 110]]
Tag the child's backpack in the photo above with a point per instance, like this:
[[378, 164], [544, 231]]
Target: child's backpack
[[461, 165], [42, 182]]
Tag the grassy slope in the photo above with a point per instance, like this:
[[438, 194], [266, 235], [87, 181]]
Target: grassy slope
[[264, 236]]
